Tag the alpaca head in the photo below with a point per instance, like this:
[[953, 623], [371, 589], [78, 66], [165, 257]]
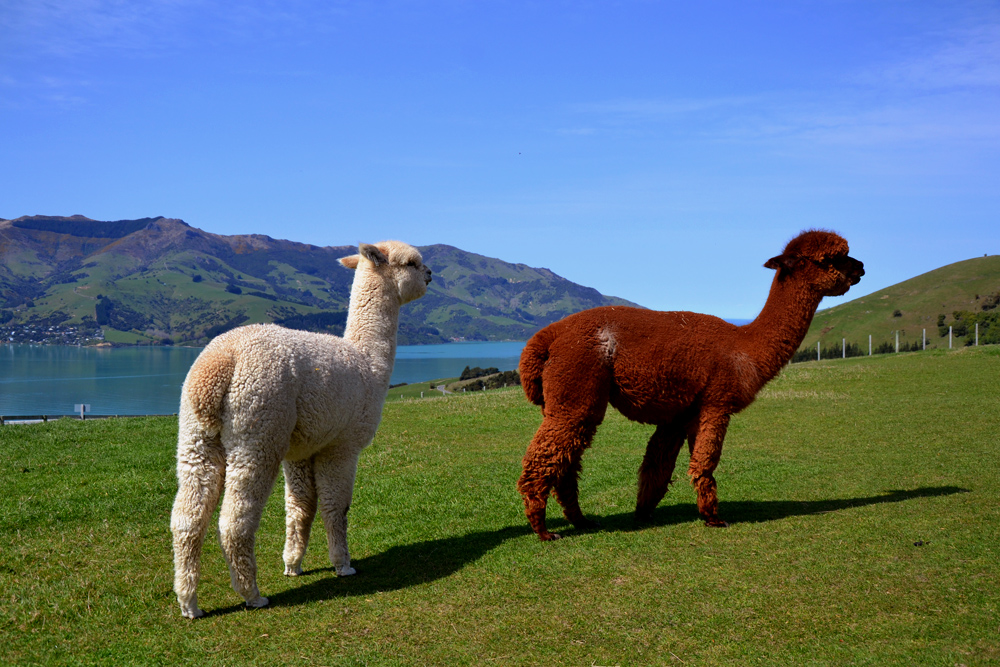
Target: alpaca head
[[396, 264], [820, 259]]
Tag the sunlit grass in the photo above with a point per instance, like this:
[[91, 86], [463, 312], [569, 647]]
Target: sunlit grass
[[863, 497]]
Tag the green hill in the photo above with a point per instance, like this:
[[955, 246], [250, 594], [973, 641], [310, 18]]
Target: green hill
[[73, 279], [957, 292]]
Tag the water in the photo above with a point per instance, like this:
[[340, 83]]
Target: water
[[51, 379], [416, 363]]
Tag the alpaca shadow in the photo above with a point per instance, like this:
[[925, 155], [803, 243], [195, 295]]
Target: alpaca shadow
[[399, 567], [769, 510], [409, 565]]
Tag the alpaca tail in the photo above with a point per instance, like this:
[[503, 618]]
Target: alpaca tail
[[533, 358], [207, 384]]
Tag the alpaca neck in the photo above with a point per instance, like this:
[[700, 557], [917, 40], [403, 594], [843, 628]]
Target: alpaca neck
[[774, 336], [372, 322]]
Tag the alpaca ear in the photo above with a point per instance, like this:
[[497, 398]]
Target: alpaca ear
[[373, 254], [773, 263], [350, 262], [786, 262]]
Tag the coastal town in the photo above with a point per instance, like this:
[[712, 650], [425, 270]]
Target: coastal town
[[51, 334]]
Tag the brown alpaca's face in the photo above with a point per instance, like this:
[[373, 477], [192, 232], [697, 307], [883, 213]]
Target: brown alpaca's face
[[820, 258], [841, 272]]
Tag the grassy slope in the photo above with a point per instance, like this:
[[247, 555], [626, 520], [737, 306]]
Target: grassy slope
[[165, 288], [829, 480], [920, 300]]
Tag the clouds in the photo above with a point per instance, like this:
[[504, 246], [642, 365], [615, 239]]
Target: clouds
[[961, 58], [946, 89], [70, 28]]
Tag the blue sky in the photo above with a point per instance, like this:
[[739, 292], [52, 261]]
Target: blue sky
[[658, 151]]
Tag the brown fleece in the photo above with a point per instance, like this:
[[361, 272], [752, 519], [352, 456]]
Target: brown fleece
[[684, 372]]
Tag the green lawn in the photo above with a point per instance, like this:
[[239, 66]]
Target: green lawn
[[863, 497]]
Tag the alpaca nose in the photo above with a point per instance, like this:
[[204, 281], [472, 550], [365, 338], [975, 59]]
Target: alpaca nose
[[859, 271]]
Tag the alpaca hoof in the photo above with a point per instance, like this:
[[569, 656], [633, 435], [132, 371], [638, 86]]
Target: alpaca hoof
[[192, 613], [345, 571], [548, 537], [716, 523], [257, 603], [293, 571]]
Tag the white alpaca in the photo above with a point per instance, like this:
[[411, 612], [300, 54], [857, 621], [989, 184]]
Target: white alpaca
[[261, 395]]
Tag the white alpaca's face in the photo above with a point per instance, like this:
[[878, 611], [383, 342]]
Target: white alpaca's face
[[397, 262], [411, 275]]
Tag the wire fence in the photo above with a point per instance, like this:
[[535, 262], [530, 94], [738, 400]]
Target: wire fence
[[34, 419], [845, 349]]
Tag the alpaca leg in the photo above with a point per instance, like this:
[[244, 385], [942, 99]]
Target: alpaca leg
[[250, 475], [300, 510], [657, 469], [201, 468], [576, 384], [704, 459], [567, 493], [336, 469], [553, 460]]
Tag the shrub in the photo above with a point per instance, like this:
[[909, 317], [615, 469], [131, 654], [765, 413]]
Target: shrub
[[477, 372], [505, 379], [884, 348], [991, 301], [495, 381], [942, 327], [834, 351], [119, 316]]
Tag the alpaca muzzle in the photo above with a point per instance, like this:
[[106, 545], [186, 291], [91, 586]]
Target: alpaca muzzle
[[857, 269]]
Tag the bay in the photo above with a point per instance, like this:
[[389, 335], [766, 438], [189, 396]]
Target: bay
[[51, 379]]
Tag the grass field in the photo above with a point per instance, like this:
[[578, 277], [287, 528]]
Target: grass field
[[862, 495]]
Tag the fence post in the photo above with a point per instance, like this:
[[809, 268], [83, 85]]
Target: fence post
[[977, 334], [925, 340], [949, 337], [817, 351], [897, 340], [843, 348], [869, 345]]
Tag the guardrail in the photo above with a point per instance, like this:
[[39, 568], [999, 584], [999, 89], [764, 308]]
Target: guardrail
[[5, 419]]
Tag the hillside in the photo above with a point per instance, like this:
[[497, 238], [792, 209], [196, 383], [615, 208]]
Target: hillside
[[969, 288], [73, 279]]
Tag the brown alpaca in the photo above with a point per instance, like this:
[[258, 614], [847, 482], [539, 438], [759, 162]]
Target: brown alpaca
[[684, 372]]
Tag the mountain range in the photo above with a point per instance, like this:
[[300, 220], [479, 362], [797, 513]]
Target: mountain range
[[160, 280]]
